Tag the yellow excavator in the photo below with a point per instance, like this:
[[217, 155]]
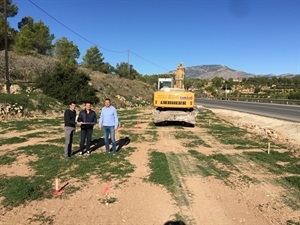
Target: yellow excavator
[[172, 102]]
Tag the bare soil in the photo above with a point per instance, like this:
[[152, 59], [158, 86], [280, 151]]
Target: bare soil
[[199, 200]]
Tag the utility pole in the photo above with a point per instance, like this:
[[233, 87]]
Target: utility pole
[[6, 49], [128, 64]]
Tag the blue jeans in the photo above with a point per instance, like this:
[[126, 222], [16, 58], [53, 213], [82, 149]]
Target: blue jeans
[[109, 130]]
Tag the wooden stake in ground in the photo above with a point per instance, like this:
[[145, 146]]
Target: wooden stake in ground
[[56, 192], [57, 189], [269, 147]]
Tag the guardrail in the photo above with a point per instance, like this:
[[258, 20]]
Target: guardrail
[[263, 100]]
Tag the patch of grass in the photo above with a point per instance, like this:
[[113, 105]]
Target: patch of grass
[[17, 190], [207, 166], [292, 222], [108, 200], [286, 165], [160, 172], [195, 143], [231, 135], [42, 218], [185, 135], [249, 179], [273, 161], [291, 201], [153, 134], [31, 101], [152, 125], [125, 113], [293, 168], [31, 124], [221, 158], [71, 190], [13, 140], [240, 143], [19, 99], [293, 181], [207, 116], [7, 160], [48, 122], [35, 135], [57, 140], [50, 164], [221, 130], [133, 136], [204, 171], [128, 118], [194, 140]]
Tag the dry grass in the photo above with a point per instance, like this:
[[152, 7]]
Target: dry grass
[[122, 92]]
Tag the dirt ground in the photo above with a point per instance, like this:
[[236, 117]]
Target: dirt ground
[[208, 201]]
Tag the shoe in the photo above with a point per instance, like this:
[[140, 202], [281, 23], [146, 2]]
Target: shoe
[[88, 152], [80, 153], [67, 158]]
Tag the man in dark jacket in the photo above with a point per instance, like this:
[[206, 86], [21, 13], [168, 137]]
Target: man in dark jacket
[[70, 123], [88, 119]]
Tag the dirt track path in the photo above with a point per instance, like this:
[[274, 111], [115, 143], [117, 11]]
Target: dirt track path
[[199, 200], [205, 200]]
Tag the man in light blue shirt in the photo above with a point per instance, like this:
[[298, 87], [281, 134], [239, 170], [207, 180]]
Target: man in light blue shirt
[[109, 121]]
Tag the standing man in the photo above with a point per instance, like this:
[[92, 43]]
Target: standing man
[[109, 121], [88, 119], [70, 123]]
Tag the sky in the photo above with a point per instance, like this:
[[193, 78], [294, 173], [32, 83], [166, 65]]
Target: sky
[[254, 36]]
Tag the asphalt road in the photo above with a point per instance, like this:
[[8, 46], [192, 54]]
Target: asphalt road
[[279, 111]]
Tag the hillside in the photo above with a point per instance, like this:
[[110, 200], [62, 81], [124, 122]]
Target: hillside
[[123, 92]]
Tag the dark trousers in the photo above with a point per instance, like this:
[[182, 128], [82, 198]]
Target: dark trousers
[[69, 133], [85, 134]]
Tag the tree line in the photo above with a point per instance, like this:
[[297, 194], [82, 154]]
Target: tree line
[[33, 37], [64, 81]]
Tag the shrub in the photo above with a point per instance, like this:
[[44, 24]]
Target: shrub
[[66, 84]]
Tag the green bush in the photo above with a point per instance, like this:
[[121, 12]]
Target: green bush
[[31, 101], [66, 84], [20, 99], [294, 95]]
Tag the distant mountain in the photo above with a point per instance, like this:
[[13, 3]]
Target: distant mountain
[[210, 71]]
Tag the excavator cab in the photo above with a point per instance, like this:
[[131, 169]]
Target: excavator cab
[[165, 83]]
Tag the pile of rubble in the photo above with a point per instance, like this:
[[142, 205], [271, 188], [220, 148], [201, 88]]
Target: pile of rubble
[[8, 111], [136, 102], [268, 133]]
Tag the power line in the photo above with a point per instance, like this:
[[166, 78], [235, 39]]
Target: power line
[[149, 61], [74, 32], [101, 47]]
